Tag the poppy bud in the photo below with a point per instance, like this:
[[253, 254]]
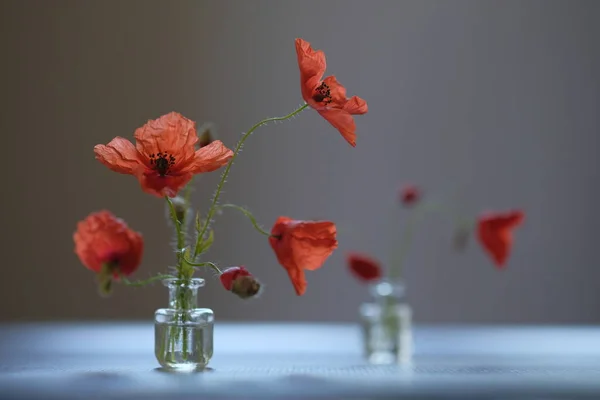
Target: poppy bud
[[207, 134], [409, 195], [240, 282], [246, 286], [180, 207]]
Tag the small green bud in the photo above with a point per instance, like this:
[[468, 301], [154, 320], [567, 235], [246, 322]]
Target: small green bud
[[207, 134]]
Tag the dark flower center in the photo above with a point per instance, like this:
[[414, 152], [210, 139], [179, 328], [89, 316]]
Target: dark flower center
[[322, 94], [161, 162]]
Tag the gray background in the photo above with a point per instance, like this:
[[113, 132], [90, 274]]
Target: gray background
[[494, 100]]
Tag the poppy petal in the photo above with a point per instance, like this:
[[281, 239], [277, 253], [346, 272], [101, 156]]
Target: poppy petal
[[364, 267], [209, 158], [336, 90], [171, 133], [119, 155], [312, 63], [162, 186], [313, 243], [356, 106], [343, 122], [494, 232], [298, 279]]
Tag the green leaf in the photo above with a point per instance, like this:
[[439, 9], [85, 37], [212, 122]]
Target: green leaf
[[198, 222], [207, 243]]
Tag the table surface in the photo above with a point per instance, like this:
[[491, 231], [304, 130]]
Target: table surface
[[300, 361]]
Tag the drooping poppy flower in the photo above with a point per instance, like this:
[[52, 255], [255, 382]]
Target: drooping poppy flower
[[494, 231], [327, 96], [106, 245], [240, 282], [302, 245], [164, 158], [409, 195], [363, 267]]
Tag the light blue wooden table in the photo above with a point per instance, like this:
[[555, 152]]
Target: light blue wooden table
[[303, 361]]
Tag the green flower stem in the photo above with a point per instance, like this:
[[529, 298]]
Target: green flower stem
[[184, 307], [187, 193], [419, 212], [179, 233], [182, 300], [238, 147], [204, 264], [247, 214], [159, 277]]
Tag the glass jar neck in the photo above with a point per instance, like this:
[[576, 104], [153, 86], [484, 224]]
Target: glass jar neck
[[183, 294], [387, 292]]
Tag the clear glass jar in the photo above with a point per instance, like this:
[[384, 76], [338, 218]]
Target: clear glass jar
[[183, 334], [387, 325]]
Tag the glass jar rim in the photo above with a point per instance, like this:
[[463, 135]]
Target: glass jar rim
[[191, 283], [387, 288]]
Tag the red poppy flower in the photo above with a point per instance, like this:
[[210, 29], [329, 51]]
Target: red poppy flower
[[363, 267], [302, 245], [409, 195], [164, 158], [239, 281], [494, 231], [104, 240], [327, 96]]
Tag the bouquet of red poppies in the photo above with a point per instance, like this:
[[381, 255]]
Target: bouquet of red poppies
[[166, 155], [493, 230]]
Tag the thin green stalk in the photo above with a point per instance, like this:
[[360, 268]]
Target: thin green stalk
[[183, 306], [204, 264], [419, 212], [398, 258], [187, 193], [238, 147], [247, 214], [178, 231], [159, 277]]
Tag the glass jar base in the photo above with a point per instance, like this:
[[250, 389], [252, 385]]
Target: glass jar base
[[382, 358], [388, 358], [184, 367]]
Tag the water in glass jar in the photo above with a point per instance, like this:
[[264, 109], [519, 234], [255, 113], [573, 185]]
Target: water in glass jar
[[183, 347]]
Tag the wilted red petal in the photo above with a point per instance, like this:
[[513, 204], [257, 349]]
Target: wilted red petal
[[171, 133], [494, 231], [364, 267], [343, 122], [120, 155], [302, 245], [209, 158]]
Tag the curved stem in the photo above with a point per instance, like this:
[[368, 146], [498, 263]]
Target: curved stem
[[187, 192], [177, 224], [238, 147], [203, 264], [247, 214], [397, 261], [419, 212], [159, 277]]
